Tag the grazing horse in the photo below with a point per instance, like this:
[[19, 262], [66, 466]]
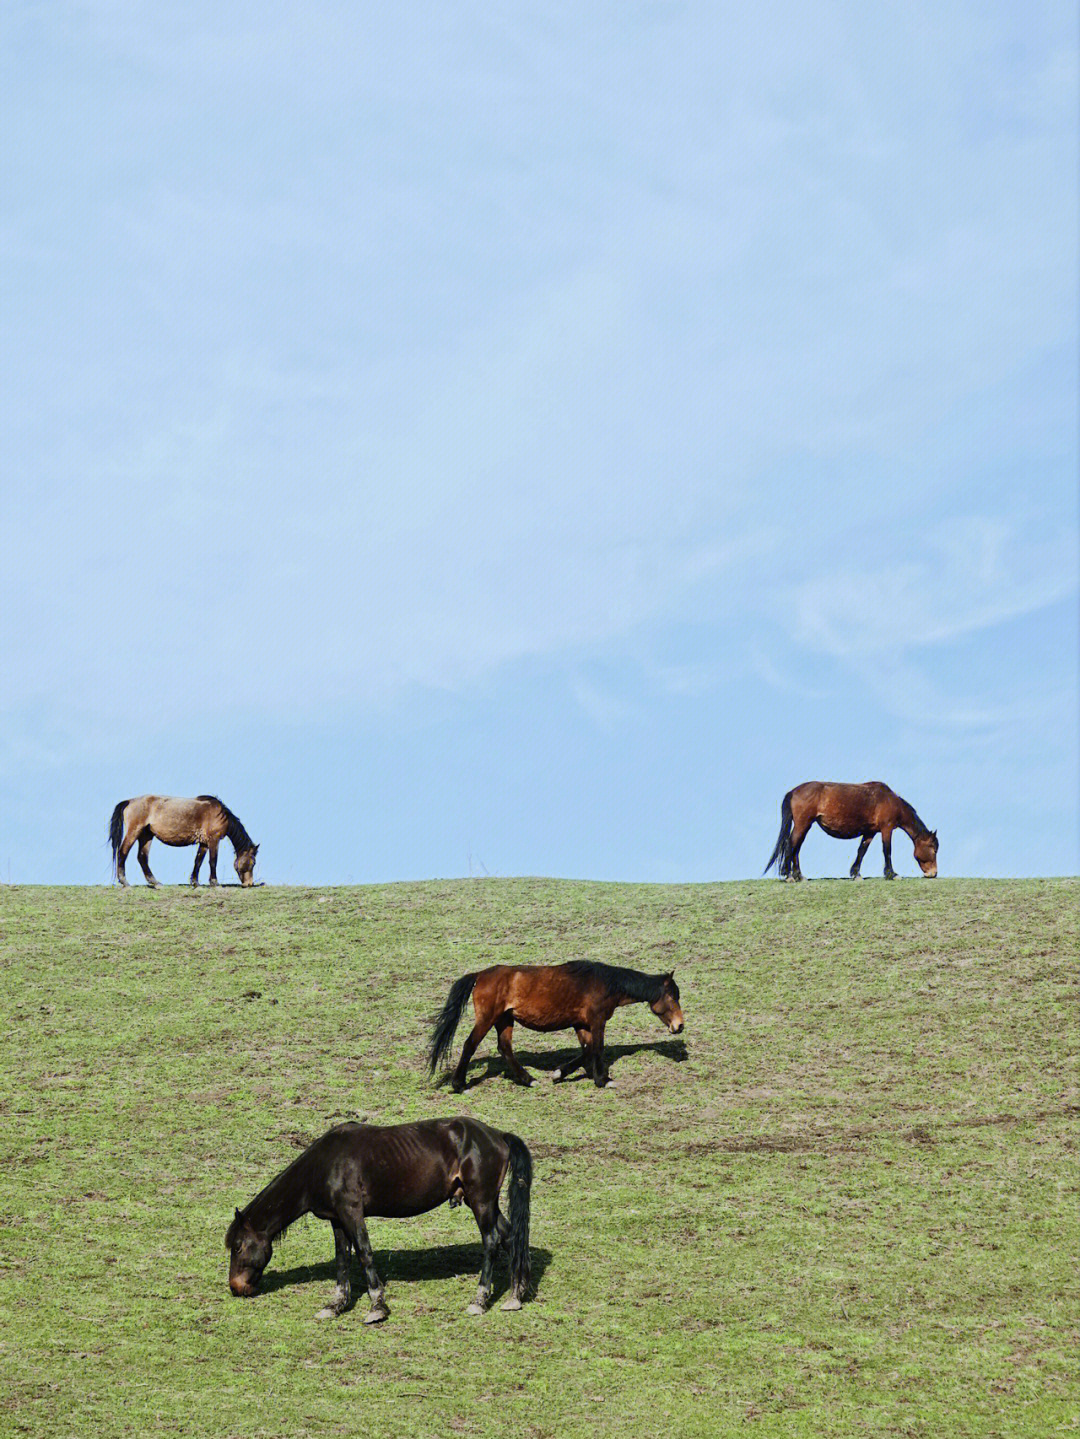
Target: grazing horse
[[359, 1171], [204, 821], [848, 811], [580, 995]]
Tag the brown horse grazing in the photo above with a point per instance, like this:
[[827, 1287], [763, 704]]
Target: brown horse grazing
[[204, 821], [357, 1171], [850, 811], [580, 995]]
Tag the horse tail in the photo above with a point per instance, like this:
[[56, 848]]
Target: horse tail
[[520, 1187], [446, 1021], [116, 831], [783, 850]]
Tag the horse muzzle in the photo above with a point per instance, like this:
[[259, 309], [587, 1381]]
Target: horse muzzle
[[676, 1027], [243, 1288]]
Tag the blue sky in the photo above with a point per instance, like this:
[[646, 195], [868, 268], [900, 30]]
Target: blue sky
[[530, 438]]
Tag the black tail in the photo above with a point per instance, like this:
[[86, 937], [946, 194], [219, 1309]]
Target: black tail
[[520, 1192], [116, 830], [782, 852], [442, 1036]]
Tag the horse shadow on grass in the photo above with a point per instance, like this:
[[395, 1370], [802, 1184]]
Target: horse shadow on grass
[[406, 1266], [547, 1061]]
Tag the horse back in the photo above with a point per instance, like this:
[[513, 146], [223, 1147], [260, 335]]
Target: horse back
[[847, 810], [539, 996], [406, 1169], [183, 821]]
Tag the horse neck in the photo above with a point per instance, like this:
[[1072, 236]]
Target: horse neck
[[910, 822], [283, 1200]]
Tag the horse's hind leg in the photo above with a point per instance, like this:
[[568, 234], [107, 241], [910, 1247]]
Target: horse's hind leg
[[200, 855], [798, 834], [343, 1293], [122, 853], [457, 1079], [864, 845], [505, 1026], [487, 1219], [568, 1068], [144, 856]]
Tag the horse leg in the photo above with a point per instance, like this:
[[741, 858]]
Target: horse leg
[[121, 858], [343, 1293], [886, 845], [600, 1074], [798, 834], [505, 1027], [200, 854], [457, 1079], [144, 857], [864, 845], [212, 847], [356, 1232], [487, 1219], [579, 1059]]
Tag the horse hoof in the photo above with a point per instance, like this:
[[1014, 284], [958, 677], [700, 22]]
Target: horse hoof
[[512, 1303], [475, 1308], [376, 1316], [328, 1313]]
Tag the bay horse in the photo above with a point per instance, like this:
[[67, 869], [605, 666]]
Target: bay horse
[[204, 821], [356, 1172], [849, 811], [579, 995]]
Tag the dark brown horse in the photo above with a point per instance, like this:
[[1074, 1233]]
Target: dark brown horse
[[850, 811], [359, 1171], [204, 821], [578, 995]]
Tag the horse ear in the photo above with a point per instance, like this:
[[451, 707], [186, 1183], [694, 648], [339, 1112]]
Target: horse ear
[[671, 974], [239, 1216], [254, 849], [933, 834]]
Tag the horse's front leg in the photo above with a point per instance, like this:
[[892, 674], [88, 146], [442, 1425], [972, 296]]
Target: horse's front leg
[[505, 1027], [356, 1230], [886, 845], [200, 855], [212, 846], [864, 845], [600, 1072], [343, 1293]]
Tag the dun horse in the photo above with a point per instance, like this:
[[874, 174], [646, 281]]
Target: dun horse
[[850, 811], [359, 1171], [578, 995], [204, 821]]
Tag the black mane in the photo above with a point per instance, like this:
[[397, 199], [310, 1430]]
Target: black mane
[[645, 987], [235, 832]]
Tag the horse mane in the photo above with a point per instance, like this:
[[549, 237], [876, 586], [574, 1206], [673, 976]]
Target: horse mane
[[630, 982], [235, 832], [908, 812]]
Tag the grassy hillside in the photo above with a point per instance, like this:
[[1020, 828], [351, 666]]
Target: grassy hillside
[[848, 1206]]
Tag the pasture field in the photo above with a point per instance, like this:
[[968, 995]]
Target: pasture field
[[848, 1205]]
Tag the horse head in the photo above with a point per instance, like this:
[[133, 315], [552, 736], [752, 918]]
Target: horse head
[[926, 847], [249, 1254], [244, 864], [666, 1007]]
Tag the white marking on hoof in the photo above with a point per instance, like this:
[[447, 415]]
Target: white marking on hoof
[[328, 1313], [376, 1316], [475, 1308], [512, 1303]]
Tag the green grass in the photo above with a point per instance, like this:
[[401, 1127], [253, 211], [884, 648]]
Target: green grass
[[848, 1208]]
